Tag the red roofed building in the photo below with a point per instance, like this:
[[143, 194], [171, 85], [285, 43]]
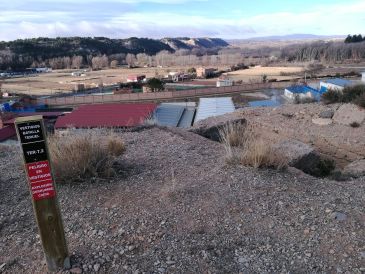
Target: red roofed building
[[7, 133], [106, 115], [7, 127], [135, 78]]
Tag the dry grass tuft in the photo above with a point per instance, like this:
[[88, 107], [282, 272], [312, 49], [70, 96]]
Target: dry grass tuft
[[258, 153], [245, 146], [83, 155]]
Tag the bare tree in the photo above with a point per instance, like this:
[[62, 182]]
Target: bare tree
[[130, 59], [77, 62], [114, 64], [99, 62]]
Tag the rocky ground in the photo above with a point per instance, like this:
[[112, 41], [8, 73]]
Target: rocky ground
[[327, 128], [176, 207]]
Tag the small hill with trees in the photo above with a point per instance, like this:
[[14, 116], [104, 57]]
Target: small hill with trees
[[21, 54]]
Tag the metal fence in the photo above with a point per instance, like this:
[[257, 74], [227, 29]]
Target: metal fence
[[165, 95]]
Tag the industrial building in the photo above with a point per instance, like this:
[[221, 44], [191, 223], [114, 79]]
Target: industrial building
[[175, 114], [210, 107], [224, 82], [300, 92], [335, 84]]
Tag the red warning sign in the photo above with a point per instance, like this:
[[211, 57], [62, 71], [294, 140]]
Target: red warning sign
[[41, 181]]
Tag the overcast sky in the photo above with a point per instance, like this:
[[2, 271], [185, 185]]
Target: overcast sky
[[173, 18]]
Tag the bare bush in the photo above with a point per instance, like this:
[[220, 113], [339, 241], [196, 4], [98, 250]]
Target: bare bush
[[244, 145], [83, 155], [259, 153]]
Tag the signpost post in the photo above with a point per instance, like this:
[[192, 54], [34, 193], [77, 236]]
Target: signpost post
[[31, 134]]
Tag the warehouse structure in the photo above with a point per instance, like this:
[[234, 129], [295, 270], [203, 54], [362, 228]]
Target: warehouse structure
[[106, 115], [175, 114], [335, 84], [210, 107], [301, 92]]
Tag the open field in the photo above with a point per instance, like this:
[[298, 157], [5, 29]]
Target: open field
[[256, 73], [63, 81]]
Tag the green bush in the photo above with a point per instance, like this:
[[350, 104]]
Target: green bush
[[353, 94], [350, 94], [332, 96], [360, 100]]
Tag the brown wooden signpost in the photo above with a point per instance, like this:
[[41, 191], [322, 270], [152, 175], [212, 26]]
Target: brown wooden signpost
[[31, 133]]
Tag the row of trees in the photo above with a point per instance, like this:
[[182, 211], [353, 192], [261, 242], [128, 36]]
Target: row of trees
[[319, 51], [325, 52], [9, 60], [354, 38]]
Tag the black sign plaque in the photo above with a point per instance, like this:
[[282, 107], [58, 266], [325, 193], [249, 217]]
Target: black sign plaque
[[35, 152], [30, 132]]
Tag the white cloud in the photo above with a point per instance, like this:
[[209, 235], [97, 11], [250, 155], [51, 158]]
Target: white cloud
[[333, 19]]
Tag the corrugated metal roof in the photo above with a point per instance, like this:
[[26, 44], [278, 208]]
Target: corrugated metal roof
[[168, 115], [184, 104], [187, 118], [339, 82], [210, 107], [106, 115], [7, 132], [301, 89]]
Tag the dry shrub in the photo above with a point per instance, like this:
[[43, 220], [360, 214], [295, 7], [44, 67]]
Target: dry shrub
[[82, 155], [245, 146], [360, 100], [233, 135], [259, 153]]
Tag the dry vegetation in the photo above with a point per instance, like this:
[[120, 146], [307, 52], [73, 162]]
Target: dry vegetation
[[256, 73], [245, 146], [83, 155], [352, 94], [61, 81]]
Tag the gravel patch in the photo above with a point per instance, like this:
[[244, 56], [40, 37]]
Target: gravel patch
[[176, 207]]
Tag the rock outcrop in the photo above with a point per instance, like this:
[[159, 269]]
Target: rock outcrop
[[355, 169], [327, 114], [349, 114], [210, 127]]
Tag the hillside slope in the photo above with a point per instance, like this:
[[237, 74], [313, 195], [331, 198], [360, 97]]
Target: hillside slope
[[60, 47], [176, 207]]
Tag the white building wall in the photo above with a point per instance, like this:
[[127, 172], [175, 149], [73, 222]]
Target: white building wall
[[224, 83], [288, 94], [291, 95], [331, 86]]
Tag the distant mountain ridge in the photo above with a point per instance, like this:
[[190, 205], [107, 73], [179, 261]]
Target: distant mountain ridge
[[69, 46], [190, 43]]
